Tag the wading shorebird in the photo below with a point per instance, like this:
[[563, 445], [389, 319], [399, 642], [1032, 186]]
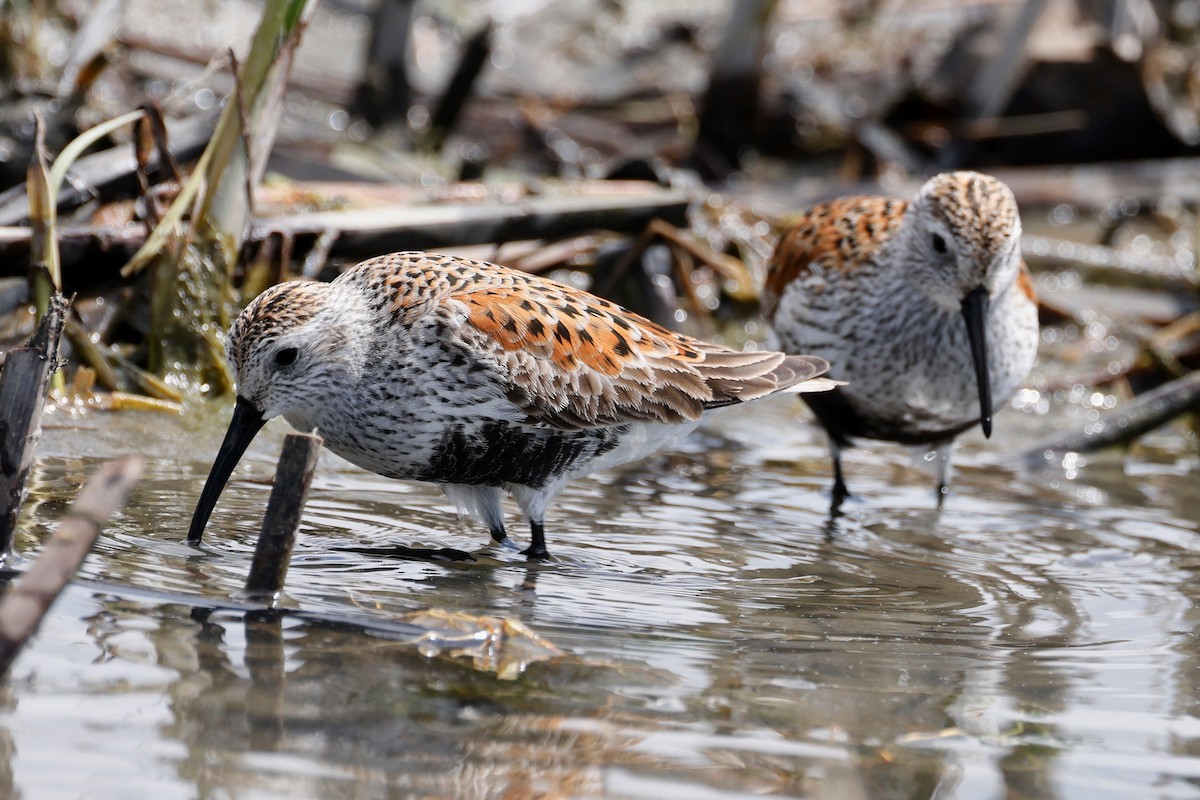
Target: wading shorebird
[[924, 308], [479, 378]]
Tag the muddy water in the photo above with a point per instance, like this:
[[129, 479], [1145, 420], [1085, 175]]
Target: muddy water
[[721, 637]]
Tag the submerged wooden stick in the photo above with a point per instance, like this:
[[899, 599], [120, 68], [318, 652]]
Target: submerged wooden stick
[[1147, 412], [293, 476], [23, 387], [28, 600]]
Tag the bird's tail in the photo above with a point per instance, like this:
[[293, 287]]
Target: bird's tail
[[812, 385], [768, 373]]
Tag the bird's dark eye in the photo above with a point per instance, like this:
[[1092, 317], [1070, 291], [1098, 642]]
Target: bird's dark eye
[[939, 243], [286, 356]]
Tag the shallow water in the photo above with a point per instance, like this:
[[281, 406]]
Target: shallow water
[[721, 637]]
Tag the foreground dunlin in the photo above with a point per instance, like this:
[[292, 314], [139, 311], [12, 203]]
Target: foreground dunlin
[[924, 308], [478, 378]]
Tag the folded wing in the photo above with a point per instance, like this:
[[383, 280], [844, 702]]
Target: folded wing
[[574, 361]]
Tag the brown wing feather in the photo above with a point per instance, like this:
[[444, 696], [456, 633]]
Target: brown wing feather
[[1025, 282], [839, 234], [574, 360]]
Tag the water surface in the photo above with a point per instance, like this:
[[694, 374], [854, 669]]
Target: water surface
[[722, 636]]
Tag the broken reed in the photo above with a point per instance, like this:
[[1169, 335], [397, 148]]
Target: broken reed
[[24, 384], [193, 264]]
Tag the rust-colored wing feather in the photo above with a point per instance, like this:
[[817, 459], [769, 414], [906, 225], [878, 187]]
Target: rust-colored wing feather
[[1025, 282], [573, 360], [839, 234]]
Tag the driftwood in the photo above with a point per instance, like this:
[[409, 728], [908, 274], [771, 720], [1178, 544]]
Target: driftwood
[[92, 245], [28, 600], [373, 231], [1091, 187], [23, 387], [92, 354], [1144, 414], [369, 232], [992, 88], [273, 552]]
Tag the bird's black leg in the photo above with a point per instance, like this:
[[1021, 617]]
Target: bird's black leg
[[840, 492], [536, 550], [839, 481]]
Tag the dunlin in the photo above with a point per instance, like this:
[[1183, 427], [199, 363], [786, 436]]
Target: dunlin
[[924, 308], [479, 378]]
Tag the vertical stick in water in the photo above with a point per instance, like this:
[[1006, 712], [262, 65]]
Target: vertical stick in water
[[23, 387], [274, 549]]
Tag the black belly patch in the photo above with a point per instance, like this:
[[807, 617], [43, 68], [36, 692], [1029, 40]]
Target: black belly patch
[[497, 453], [844, 424]]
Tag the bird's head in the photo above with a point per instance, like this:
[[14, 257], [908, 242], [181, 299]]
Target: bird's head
[[291, 351], [965, 235], [964, 240], [294, 344]]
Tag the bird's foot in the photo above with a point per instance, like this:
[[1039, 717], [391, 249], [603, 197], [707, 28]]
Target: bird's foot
[[508, 544], [837, 496], [835, 507], [535, 553], [537, 550], [501, 538]]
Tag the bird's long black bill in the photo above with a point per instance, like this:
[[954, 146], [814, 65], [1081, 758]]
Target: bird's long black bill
[[247, 421], [974, 311]]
